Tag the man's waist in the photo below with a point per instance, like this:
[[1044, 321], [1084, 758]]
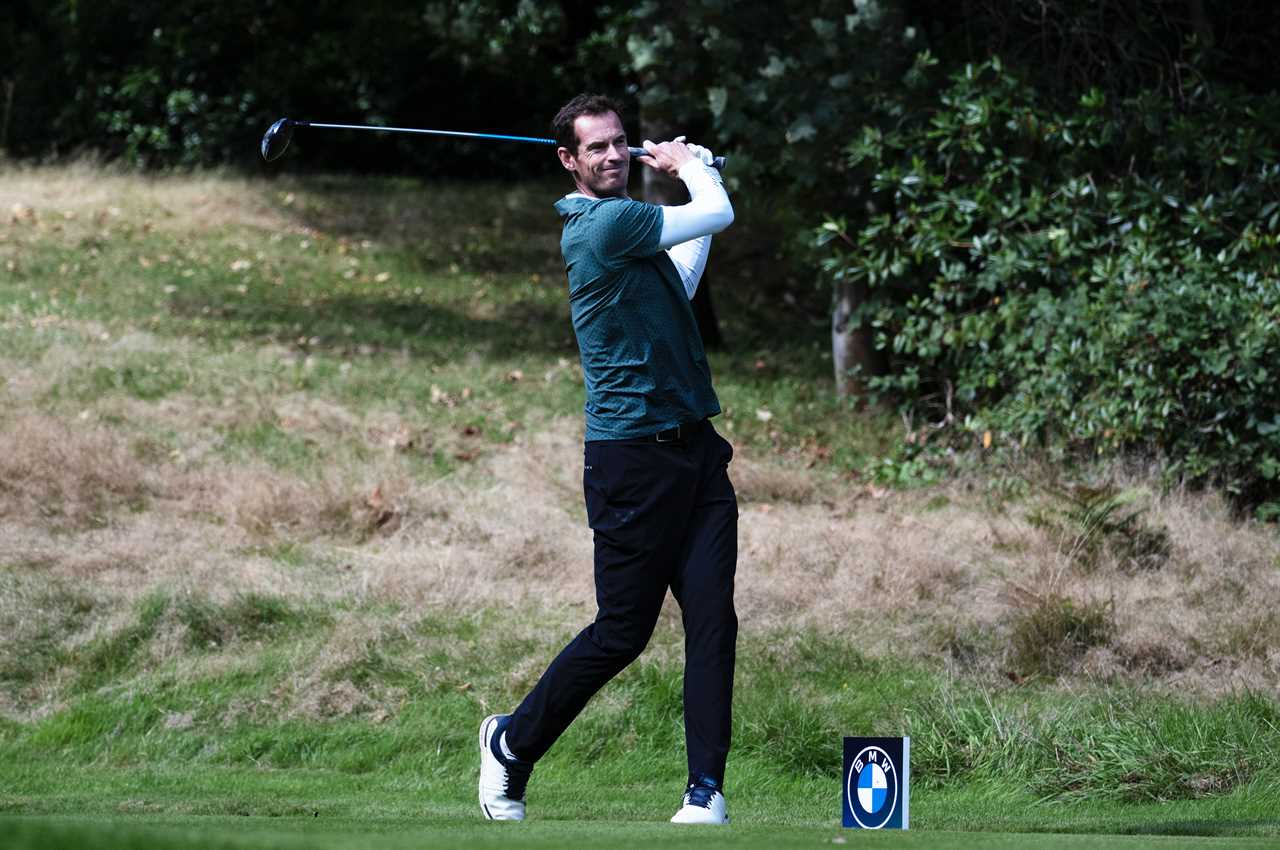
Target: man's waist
[[679, 433]]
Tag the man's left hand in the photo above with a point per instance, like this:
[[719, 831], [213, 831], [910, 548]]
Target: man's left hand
[[667, 157]]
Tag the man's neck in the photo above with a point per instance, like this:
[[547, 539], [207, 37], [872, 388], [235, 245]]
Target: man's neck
[[587, 193]]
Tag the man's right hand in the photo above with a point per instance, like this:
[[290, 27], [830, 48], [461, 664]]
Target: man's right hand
[[667, 157]]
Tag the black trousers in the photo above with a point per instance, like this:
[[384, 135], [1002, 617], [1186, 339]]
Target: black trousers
[[664, 516]]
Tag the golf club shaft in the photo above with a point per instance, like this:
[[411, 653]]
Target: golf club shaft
[[457, 133], [718, 162]]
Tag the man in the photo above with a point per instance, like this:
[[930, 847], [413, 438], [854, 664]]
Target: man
[[655, 474]]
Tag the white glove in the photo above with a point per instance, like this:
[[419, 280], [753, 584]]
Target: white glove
[[698, 151]]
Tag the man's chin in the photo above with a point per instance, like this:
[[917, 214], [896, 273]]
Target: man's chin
[[613, 184]]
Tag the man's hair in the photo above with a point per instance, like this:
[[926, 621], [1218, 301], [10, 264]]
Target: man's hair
[[584, 104]]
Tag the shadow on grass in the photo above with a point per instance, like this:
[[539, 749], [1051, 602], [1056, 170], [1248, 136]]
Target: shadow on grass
[[351, 323], [769, 306], [485, 227], [1200, 826]]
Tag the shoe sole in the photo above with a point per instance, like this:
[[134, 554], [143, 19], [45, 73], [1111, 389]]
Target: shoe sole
[[486, 730]]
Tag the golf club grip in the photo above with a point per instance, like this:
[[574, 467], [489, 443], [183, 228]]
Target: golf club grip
[[718, 163]]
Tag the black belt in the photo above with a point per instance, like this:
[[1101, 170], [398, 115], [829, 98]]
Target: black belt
[[678, 433]]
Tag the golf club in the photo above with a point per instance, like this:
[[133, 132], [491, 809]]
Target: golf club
[[276, 140]]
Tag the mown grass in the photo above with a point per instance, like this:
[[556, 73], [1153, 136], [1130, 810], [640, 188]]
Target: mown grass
[[295, 830]]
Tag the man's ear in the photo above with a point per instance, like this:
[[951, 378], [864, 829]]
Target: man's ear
[[568, 160]]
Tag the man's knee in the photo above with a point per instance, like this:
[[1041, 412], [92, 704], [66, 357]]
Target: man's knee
[[622, 642], [713, 621]]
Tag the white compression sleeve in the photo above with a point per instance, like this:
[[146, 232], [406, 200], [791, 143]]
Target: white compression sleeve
[[707, 212], [690, 258], [687, 229]]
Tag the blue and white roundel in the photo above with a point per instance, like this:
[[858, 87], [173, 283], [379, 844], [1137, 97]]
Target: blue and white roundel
[[873, 788]]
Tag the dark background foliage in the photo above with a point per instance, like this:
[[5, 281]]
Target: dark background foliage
[[782, 84], [188, 83]]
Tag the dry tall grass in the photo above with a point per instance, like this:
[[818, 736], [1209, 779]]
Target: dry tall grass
[[905, 575], [96, 513], [88, 197]]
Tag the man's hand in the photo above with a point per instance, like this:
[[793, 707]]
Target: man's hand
[[699, 152], [667, 157]]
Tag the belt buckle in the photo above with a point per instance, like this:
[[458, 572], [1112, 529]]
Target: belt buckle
[[675, 439]]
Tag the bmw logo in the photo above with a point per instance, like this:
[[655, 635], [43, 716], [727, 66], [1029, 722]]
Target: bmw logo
[[872, 788]]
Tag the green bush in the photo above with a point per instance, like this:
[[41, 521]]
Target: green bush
[[1104, 277]]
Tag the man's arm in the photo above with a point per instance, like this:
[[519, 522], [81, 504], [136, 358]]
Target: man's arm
[[708, 209], [690, 259], [687, 229]]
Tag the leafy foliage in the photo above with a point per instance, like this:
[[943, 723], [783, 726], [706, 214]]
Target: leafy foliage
[[772, 96], [1106, 274], [188, 83]]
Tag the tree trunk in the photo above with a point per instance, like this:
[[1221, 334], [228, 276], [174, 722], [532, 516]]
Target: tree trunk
[[657, 188], [853, 352]]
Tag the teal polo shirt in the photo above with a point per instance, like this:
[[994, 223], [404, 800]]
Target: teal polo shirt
[[642, 358]]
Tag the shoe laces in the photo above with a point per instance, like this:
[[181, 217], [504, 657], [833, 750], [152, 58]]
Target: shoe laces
[[518, 773], [699, 794]]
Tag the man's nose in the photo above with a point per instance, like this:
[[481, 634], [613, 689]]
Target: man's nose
[[619, 152]]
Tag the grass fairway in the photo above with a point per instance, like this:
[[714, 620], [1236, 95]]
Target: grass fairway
[[214, 833], [290, 500]]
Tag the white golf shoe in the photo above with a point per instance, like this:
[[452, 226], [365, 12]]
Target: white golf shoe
[[703, 803], [502, 780]]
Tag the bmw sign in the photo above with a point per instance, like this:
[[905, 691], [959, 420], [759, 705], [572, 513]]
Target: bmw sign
[[876, 782]]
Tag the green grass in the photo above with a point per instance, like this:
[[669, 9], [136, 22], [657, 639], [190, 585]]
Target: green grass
[[364, 309], [410, 329], [207, 734], [299, 831]]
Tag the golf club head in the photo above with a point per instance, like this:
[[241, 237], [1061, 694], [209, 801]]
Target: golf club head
[[276, 140]]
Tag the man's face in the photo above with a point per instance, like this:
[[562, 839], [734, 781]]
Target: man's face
[[602, 163]]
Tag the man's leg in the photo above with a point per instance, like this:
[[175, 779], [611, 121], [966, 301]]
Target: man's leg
[[703, 585], [639, 497]]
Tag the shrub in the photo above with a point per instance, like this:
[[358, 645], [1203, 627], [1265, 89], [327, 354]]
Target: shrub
[[1104, 277]]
